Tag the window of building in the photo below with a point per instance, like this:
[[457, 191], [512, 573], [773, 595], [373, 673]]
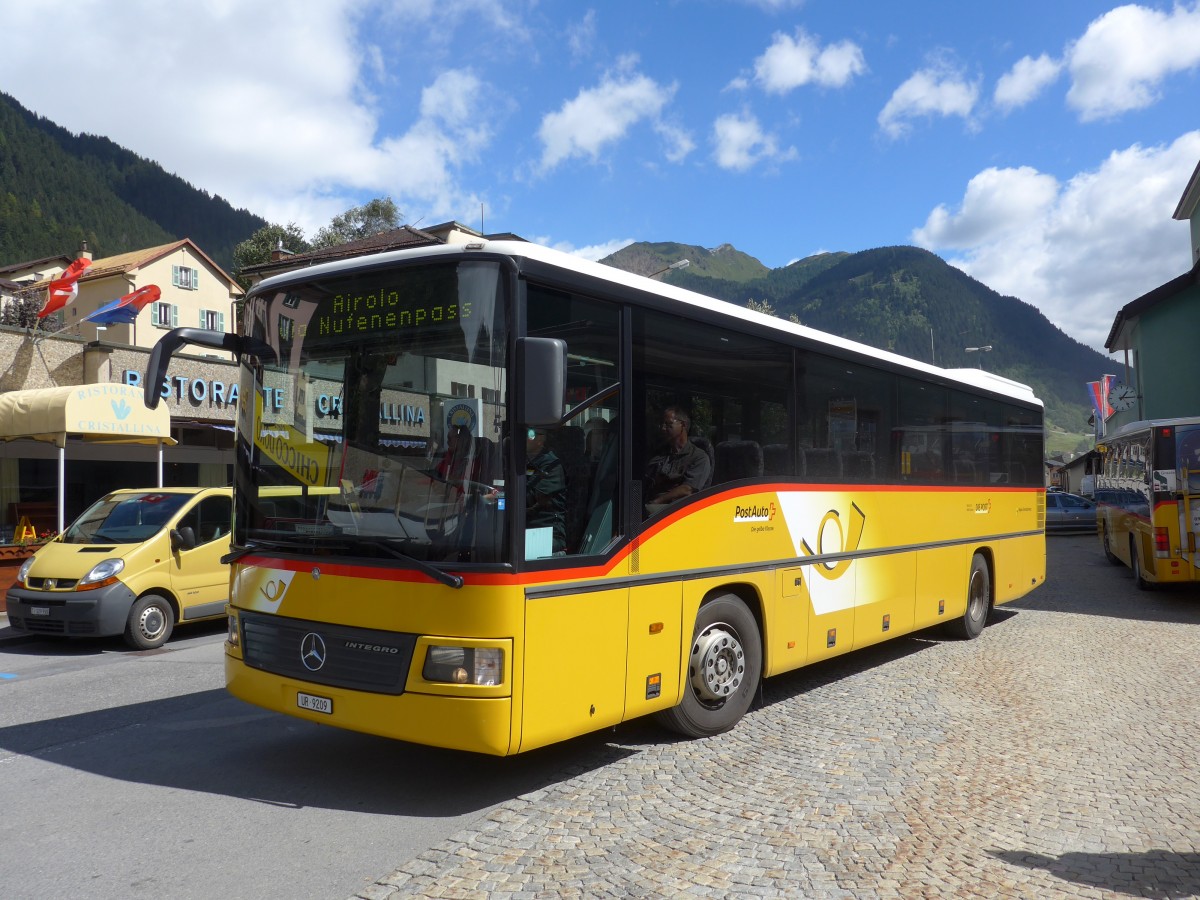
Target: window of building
[[185, 278], [165, 315], [212, 320]]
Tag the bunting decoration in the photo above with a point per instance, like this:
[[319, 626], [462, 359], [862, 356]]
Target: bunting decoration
[[64, 288], [124, 310]]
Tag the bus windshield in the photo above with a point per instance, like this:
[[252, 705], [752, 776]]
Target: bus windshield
[[378, 431]]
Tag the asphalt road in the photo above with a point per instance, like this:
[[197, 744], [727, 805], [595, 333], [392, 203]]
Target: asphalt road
[[1053, 757], [130, 775]]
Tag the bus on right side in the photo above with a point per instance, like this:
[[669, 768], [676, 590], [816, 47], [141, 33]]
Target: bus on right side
[[1148, 500]]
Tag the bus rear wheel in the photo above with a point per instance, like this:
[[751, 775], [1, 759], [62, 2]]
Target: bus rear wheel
[[979, 602], [1136, 564], [1108, 554], [724, 668]]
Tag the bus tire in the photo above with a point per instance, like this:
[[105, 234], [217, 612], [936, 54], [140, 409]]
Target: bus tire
[[1136, 564], [979, 602], [1108, 554], [151, 620], [724, 669]]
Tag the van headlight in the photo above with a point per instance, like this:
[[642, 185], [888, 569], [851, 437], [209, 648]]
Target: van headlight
[[23, 572], [102, 574], [464, 665]]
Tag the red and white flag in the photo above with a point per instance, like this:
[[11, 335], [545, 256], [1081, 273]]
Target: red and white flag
[[64, 288]]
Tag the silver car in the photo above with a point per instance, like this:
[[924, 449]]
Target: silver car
[[1069, 512]]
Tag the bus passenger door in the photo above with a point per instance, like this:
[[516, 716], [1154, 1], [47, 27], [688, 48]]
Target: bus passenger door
[[574, 668]]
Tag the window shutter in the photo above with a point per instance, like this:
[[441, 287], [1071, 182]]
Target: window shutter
[[175, 276], [174, 316], [221, 321]]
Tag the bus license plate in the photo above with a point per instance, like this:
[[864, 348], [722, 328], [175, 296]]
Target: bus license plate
[[315, 704], [39, 610]]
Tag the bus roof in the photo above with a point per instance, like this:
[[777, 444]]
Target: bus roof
[[518, 250], [1147, 424]]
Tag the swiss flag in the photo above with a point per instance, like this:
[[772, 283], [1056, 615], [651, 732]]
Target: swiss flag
[[65, 288]]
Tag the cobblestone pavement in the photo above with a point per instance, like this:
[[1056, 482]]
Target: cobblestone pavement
[[1055, 756]]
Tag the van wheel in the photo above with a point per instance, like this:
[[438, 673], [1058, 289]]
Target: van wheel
[[1136, 564], [150, 622], [724, 669], [979, 602]]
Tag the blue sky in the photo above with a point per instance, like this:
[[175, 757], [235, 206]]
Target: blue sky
[[1041, 147]]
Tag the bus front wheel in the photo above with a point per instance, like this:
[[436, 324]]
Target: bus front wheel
[[979, 602], [724, 668]]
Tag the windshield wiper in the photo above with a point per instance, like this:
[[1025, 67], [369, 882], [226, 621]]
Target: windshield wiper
[[447, 578], [255, 547]]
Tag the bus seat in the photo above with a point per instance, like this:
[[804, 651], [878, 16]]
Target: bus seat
[[569, 445], [777, 459], [858, 465], [822, 463], [706, 445], [736, 460]]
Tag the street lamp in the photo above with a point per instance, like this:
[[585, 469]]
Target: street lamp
[[678, 264], [986, 348]]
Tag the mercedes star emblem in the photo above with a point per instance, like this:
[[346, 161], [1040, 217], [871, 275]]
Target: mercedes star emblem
[[312, 651]]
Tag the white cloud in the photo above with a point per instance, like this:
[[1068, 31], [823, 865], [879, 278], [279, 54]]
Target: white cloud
[[740, 143], [1122, 59], [1025, 80], [794, 61], [1078, 251], [940, 89], [266, 109], [582, 35], [601, 116], [594, 252]]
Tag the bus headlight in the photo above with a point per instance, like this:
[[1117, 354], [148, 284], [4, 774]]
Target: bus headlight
[[464, 665], [234, 638]]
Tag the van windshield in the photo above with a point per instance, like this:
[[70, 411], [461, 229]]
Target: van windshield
[[125, 518]]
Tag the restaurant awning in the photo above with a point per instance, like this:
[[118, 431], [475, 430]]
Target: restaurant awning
[[110, 413]]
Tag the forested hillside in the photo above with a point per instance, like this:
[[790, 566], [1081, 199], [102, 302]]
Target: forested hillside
[[912, 302], [57, 188]]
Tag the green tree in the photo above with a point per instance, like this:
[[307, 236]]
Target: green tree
[[21, 311], [257, 248], [360, 222]]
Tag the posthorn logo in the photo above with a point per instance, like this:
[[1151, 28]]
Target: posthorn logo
[[312, 651]]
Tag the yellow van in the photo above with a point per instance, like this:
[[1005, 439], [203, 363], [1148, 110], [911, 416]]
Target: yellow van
[[135, 563]]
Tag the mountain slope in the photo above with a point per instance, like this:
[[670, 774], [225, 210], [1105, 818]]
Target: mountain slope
[[912, 302], [57, 188]]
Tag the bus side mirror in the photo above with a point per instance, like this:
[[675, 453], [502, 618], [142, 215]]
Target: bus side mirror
[[161, 355], [542, 365]]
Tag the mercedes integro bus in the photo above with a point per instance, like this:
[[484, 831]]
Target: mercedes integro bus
[[430, 586]]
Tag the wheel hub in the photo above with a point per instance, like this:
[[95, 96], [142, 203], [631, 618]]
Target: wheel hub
[[152, 622], [718, 664]]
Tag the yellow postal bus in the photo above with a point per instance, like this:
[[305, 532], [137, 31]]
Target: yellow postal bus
[[483, 557], [1148, 500]]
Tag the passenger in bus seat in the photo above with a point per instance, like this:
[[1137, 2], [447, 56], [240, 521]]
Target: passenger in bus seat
[[680, 468], [545, 489]]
